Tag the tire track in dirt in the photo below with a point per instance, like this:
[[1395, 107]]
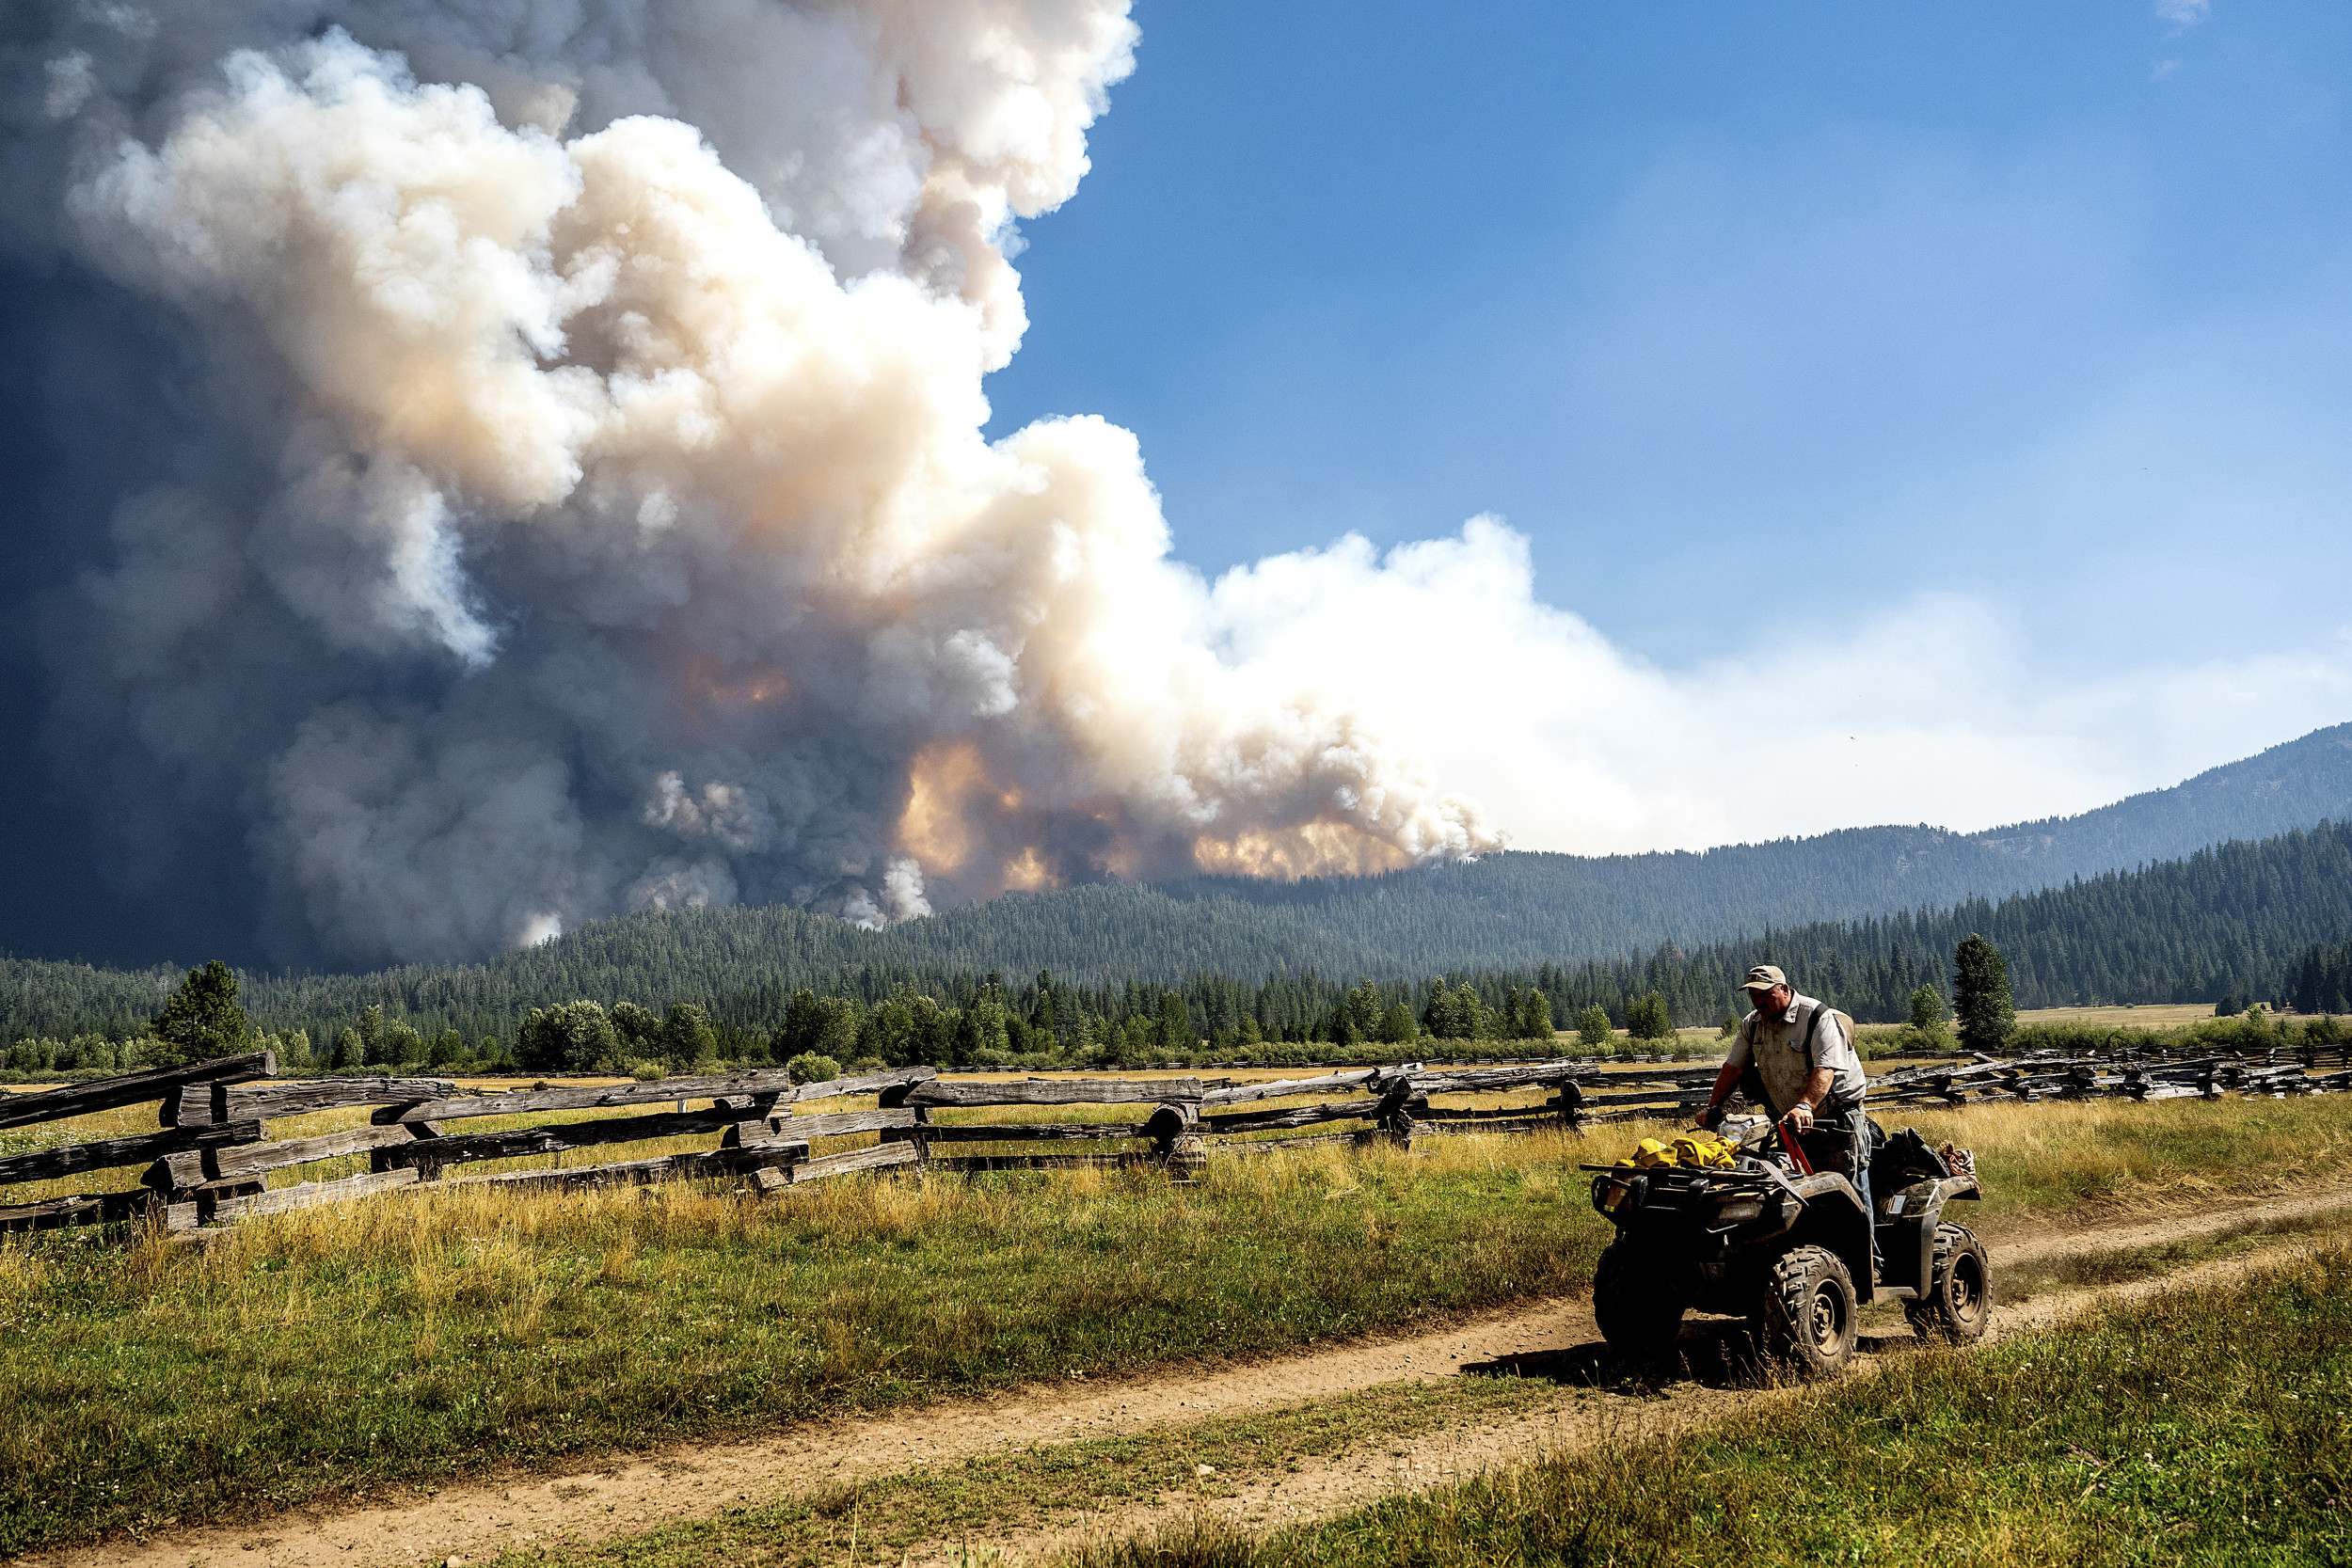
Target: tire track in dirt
[[475, 1519]]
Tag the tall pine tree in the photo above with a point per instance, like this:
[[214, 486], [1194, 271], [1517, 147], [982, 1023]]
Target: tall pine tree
[[201, 1020], [1980, 999]]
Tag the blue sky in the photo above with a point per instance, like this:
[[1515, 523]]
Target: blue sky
[[2031, 314]]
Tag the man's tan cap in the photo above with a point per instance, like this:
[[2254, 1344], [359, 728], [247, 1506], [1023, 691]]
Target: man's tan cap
[[1763, 977]]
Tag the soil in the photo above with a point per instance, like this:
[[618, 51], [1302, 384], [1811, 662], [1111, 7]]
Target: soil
[[476, 1519]]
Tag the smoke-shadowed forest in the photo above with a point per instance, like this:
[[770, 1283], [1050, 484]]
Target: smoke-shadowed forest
[[2249, 920]]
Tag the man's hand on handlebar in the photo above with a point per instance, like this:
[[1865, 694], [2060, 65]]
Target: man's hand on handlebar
[[1800, 1116]]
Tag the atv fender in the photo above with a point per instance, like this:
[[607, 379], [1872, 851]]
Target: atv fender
[[1907, 1223], [1834, 1218]]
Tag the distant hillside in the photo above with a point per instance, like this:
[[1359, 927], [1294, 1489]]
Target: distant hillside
[[2230, 920], [2290, 785], [1525, 908]]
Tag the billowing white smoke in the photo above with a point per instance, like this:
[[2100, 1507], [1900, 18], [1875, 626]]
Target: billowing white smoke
[[630, 539]]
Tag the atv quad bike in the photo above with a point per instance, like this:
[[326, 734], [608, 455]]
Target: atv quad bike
[[1788, 1251]]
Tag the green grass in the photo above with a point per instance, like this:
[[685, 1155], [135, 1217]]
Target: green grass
[[432, 1334], [2200, 1426], [424, 1336]]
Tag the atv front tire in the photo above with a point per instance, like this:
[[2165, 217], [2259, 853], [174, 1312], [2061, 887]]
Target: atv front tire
[[1636, 1303], [1805, 1319], [1958, 1304]]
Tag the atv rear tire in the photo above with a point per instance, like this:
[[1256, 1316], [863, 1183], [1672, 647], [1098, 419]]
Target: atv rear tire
[[1805, 1319], [1636, 1302], [1958, 1304]]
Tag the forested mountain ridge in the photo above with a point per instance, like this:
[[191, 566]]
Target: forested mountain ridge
[[1525, 908], [2237, 919], [2294, 784]]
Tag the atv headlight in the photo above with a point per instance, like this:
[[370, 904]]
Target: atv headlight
[[1612, 1194], [1738, 1210]]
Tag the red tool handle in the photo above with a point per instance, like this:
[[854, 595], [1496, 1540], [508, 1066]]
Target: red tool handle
[[1796, 1151]]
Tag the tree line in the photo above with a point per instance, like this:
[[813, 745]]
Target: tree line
[[2248, 921]]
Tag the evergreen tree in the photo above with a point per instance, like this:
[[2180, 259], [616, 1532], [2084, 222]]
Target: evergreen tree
[[577, 1037], [686, 1038], [1041, 1018], [1535, 1021], [403, 1044], [1980, 996], [1927, 1010], [1648, 1019], [1397, 1027], [639, 1030], [200, 1019], [1176, 1032]]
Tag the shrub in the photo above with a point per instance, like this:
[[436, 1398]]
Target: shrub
[[809, 1068], [1593, 1028]]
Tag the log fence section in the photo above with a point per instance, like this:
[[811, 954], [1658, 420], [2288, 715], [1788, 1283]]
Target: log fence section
[[210, 1161]]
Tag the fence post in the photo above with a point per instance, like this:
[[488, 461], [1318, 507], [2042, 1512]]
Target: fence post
[[1397, 1113], [891, 1099], [1569, 1102], [1174, 1131]]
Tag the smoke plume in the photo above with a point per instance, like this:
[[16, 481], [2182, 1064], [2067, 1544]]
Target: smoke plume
[[572, 496]]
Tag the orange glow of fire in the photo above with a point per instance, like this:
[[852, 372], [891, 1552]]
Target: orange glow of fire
[[761, 684], [933, 827], [1310, 849]]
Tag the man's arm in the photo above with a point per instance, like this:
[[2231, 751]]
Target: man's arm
[[1816, 1090], [1824, 1078]]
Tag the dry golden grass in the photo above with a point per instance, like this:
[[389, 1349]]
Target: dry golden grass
[[2150, 1015]]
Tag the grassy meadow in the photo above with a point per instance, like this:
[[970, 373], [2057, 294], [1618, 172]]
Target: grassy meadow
[[440, 1331], [2200, 1426]]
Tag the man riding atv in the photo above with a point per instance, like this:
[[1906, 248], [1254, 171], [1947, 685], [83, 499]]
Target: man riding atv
[[1799, 1063], [1776, 1219]]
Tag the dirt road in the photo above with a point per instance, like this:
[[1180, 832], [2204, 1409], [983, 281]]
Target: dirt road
[[474, 1520]]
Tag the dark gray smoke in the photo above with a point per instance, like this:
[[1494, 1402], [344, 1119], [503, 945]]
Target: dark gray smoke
[[482, 468]]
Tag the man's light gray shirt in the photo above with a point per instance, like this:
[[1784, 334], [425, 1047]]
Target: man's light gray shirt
[[1776, 1044]]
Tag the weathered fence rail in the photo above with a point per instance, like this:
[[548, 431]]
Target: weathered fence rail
[[211, 1159]]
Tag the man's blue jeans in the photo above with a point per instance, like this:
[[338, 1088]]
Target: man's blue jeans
[[1841, 1143]]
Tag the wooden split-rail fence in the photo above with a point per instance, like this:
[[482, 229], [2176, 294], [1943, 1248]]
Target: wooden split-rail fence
[[210, 1161]]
